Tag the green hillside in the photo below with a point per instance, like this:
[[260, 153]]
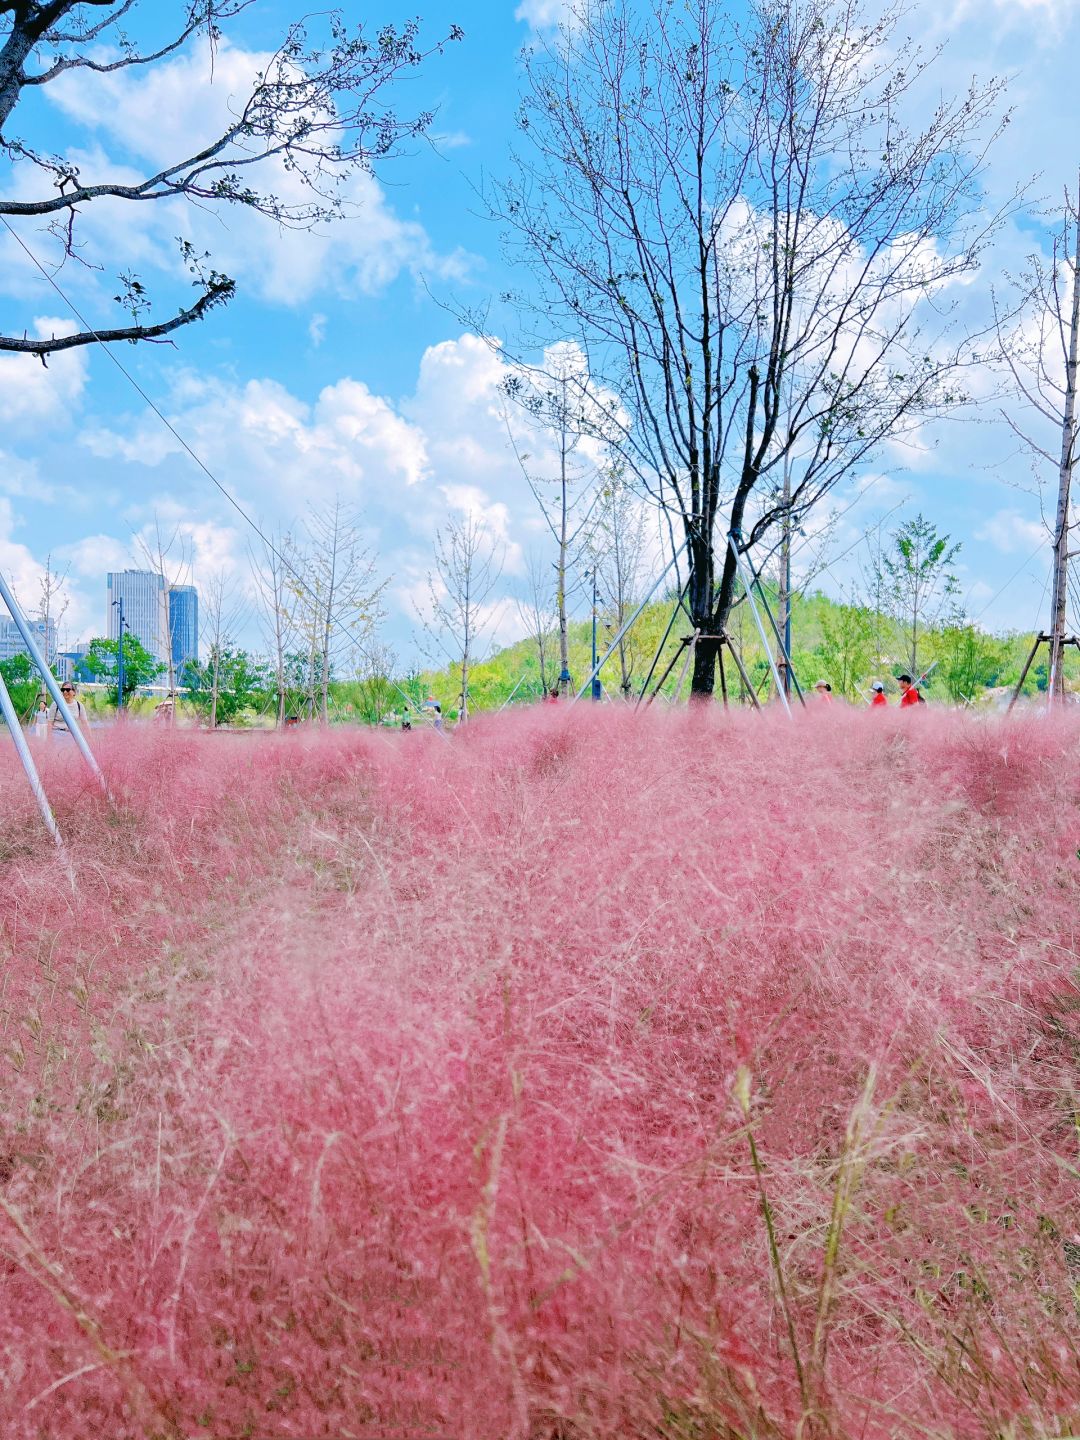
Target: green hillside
[[847, 645]]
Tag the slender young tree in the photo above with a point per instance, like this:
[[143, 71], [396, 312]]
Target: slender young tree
[[558, 407], [1042, 353], [618, 544], [337, 590], [170, 557], [315, 112], [539, 614], [53, 601], [222, 613], [274, 582], [923, 588], [752, 246], [468, 566]]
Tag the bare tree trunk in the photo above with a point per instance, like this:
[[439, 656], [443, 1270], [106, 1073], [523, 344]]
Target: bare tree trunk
[[564, 633], [1065, 469]]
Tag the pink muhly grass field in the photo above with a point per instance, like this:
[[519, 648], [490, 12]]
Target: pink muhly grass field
[[585, 1075]]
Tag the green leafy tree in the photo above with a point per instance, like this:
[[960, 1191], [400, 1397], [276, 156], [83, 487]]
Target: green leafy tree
[[228, 683], [970, 661], [847, 647], [18, 675], [140, 667], [922, 586]]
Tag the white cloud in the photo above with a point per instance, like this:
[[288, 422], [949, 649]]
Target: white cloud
[[546, 14], [408, 467], [32, 393], [1009, 532], [154, 116]]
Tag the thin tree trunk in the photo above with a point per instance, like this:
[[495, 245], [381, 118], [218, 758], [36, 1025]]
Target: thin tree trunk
[[564, 636], [1061, 527]]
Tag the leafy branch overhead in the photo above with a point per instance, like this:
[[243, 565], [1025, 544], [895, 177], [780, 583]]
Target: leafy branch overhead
[[317, 113]]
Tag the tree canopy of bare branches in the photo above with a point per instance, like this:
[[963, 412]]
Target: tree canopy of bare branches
[[468, 566], [318, 110], [754, 247]]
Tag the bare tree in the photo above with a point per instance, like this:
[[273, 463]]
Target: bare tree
[[539, 614], [53, 601], [222, 613], [1041, 354], [561, 410], [170, 557], [315, 110], [339, 600], [753, 248], [618, 546], [468, 566], [275, 586], [374, 665]]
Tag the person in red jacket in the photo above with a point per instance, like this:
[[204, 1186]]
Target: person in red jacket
[[877, 695], [909, 692]]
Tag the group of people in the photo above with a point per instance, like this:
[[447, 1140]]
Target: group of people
[[910, 693]]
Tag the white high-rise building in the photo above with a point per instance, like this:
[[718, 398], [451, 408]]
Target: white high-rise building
[[12, 643], [143, 594]]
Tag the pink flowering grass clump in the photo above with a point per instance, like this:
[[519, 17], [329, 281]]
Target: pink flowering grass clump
[[585, 1075]]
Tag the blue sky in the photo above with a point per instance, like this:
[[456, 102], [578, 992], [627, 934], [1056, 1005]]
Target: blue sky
[[336, 371]]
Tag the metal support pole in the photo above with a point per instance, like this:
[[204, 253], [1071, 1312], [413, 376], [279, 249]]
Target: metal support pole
[[660, 648], [509, 697], [670, 666], [28, 765], [760, 627], [744, 677], [784, 644], [686, 666], [627, 624], [30, 641]]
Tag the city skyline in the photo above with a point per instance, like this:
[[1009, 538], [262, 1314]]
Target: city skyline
[[164, 618]]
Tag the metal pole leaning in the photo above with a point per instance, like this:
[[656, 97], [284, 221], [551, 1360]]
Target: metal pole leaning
[[626, 626], [28, 765], [784, 645], [760, 627], [660, 648], [509, 697], [30, 641]]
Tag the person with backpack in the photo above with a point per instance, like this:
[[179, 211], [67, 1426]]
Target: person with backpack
[[909, 692]]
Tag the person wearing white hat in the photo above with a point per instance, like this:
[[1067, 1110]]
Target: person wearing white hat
[[877, 695], [823, 690]]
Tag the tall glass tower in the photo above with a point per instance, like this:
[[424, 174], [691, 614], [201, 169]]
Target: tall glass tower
[[183, 625], [143, 593]]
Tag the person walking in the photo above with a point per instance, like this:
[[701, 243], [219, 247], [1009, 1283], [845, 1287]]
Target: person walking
[[823, 691], [57, 723], [877, 696], [41, 719], [909, 692]]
